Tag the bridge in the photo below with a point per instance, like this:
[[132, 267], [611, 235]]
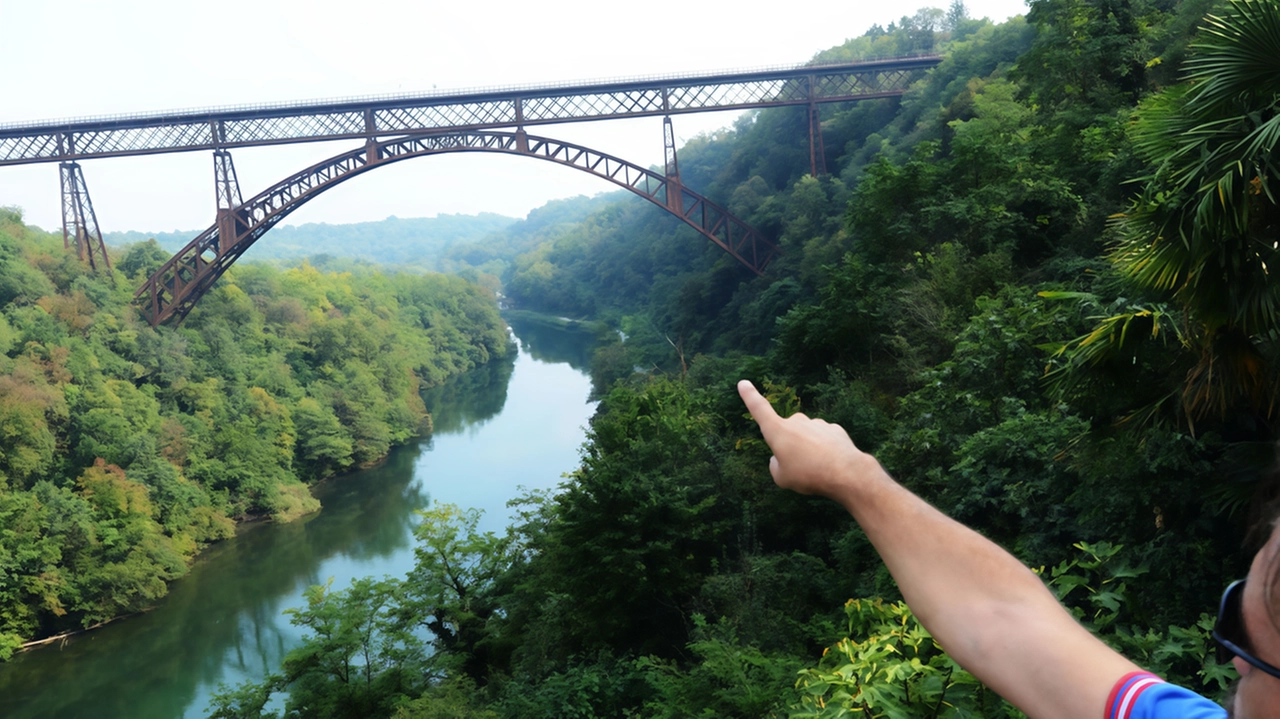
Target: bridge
[[397, 127]]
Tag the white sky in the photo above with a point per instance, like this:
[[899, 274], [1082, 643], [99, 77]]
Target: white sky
[[62, 58]]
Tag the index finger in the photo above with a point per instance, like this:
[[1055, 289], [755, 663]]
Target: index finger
[[757, 405]]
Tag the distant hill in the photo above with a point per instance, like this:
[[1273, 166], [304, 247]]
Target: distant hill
[[494, 253], [410, 243]]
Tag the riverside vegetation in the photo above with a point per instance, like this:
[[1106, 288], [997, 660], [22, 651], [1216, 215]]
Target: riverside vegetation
[[125, 449], [1080, 365]]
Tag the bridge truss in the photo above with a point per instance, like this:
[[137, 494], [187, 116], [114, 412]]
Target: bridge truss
[[423, 125], [376, 117], [174, 289]]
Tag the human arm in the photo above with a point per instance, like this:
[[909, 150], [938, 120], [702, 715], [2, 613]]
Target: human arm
[[991, 614]]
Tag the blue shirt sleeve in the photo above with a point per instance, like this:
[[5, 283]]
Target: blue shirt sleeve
[[1145, 696]]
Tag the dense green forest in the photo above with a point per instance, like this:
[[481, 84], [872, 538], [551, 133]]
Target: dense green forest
[[1035, 286], [125, 449]]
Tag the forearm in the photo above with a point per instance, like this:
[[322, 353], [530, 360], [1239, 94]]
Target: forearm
[[992, 614], [988, 611]]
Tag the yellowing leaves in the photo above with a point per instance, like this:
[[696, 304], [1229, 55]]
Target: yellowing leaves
[[107, 488]]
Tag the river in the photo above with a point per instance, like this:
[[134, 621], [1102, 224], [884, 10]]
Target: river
[[508, 425]]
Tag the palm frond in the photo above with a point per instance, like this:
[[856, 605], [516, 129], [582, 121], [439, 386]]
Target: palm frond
[[1238, 55], [1204, 236]]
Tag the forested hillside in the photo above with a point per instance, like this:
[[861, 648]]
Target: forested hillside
[[416, 243], [125, 449], [982, 292]]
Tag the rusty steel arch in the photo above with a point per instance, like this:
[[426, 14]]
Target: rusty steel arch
[[175, 288]]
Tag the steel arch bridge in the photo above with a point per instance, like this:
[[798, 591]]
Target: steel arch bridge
[[422, 125], [174, 289]]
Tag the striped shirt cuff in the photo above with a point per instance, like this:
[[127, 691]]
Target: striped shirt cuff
[[1126, 692]]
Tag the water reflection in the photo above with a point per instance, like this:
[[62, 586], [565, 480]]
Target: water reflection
[[472, 399], [515, 422], [223, 622], [551, 344]]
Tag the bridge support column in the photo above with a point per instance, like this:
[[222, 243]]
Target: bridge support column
[[79, 222], [372, 152], [227, 188], [675, 197], [817, 156]]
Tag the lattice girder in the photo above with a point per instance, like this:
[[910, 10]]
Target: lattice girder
[[375, 118], [176, 287]]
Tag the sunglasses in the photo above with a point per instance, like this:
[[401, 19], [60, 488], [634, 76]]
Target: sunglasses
[[1229, 632]]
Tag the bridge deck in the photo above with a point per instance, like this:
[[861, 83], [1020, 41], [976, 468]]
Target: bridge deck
[[374, 117]]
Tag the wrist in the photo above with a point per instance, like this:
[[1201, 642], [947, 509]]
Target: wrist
[[858, 479]]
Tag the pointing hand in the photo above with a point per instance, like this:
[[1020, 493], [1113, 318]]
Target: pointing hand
[[810, 456]]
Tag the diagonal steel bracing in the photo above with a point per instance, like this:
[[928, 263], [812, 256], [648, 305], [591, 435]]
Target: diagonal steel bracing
[[377, 117], [79, 221], [175, 288]]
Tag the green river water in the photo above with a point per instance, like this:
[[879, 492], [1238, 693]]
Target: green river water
[[510, 424]]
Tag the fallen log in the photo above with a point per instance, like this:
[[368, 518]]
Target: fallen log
[[66, 635]]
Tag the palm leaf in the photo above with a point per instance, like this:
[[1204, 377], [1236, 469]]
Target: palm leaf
[[1204, 235]]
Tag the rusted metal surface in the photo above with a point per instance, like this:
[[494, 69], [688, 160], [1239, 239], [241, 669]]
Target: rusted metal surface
[[374, 118], [79, 222], [817, 155], [227, 191], [175, 288], [226, 186], [672, 166]]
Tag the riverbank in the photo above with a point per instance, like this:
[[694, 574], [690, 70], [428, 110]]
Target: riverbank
[[130, 449], [300, 501], [502, 429]]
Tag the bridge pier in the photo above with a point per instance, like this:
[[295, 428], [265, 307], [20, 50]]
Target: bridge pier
[[817, 155], [227, 186], [372, 153], [675, 196], [227, 189], [79, 222]]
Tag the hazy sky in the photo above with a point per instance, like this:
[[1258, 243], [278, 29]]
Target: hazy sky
[[63, 58]]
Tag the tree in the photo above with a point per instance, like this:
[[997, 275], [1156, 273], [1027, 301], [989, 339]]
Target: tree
[[324, 448], [629, 541], [453, 582], [957, 14], [143, 259], [1197, 245], [27, 440], [30, 579], [360, 659], [128, 560], [1088, 57]]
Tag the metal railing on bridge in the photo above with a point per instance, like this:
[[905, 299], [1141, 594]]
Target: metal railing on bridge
[[396, 127], [370, 118]]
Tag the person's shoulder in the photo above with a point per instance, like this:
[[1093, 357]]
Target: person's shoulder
[[1142, 695]]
